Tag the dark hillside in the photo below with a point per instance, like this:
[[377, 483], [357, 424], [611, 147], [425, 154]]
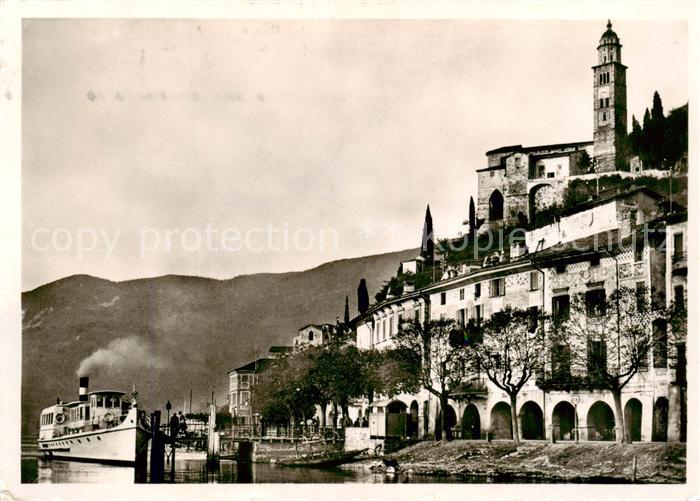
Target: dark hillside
[[172, 333]]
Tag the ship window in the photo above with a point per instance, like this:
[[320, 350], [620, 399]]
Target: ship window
[[98, 438], [79, 441], [88, 439]]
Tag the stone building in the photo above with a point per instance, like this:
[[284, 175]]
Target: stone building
[[608, 252], [241, 394], [518, 182], [609, 104], [314, 335]]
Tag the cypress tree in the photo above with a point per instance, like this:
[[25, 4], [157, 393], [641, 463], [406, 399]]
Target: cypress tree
[[472, 219], [645, 142], [362, 297], [346, 317], [427, 249], [658, 129], [635, 136]]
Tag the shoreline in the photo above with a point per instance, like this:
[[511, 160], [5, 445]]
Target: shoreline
[[540, 462]]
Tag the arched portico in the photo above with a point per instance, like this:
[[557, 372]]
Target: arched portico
[[501, 424], [471, 423], [531, 421], [600, 422]]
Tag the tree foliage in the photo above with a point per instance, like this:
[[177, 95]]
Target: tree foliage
[[362, 297], [661, 140], [330, 374]]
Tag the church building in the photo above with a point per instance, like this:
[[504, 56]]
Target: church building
[[518, 181]]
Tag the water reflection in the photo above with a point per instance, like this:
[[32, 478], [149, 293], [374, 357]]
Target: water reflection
[[38, 470], [35, 469]]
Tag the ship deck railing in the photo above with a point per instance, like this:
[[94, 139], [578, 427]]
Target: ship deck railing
[[90, 424]]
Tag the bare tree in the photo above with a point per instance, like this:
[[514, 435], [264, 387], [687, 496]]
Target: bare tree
[[439, 347], [508, 348], [610, 339]]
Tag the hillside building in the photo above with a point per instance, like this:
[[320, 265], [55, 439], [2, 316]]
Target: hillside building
[[314, 335], [519, 182]]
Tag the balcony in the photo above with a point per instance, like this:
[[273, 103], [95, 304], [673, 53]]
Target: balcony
[[566, 382], [470, 389], [679, 263]]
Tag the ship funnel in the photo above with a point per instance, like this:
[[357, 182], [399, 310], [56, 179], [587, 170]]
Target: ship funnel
[[82, 394]]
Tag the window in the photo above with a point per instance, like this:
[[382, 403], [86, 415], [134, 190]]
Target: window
[[678, 296], [607, 102], [677, 246], [680, 363], [416, 314], [561, 361], [311, 335], [245, 398], [498, 287], [595, 261], [492, 173], [477, 290], [639, 252], [660, 341], [477, 314], [99, 401], [391, 326], [461, 294], [560, 308], [595, 302], [550, 174], [560, 268], [244, 381], [605, 116], [641, 289], [597, 360], [534, 314], [534, 280], [462, 317], [496, 206], [600, 103], [443, 297]]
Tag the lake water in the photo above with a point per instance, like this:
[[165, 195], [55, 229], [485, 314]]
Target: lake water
[[36, 469]]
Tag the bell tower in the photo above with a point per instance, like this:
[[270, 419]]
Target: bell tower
[[609, 104]]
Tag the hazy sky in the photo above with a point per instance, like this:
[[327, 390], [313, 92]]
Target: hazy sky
[[335, 129]]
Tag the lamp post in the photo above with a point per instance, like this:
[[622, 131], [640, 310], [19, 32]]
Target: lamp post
[[168, 406], [575, 399]]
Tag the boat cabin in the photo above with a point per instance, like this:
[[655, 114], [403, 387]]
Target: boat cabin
[[106, 407], [101, 409]]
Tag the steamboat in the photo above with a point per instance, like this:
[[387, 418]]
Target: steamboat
[[101, 426]]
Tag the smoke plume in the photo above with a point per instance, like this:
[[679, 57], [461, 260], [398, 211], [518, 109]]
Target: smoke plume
[[126, 354]]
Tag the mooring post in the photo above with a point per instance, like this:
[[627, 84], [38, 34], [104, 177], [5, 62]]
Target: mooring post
[[172, 462], [212, 445], [157, 450], [634, 469]]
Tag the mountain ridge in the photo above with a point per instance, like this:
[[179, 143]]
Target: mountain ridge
[[174, 332]]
